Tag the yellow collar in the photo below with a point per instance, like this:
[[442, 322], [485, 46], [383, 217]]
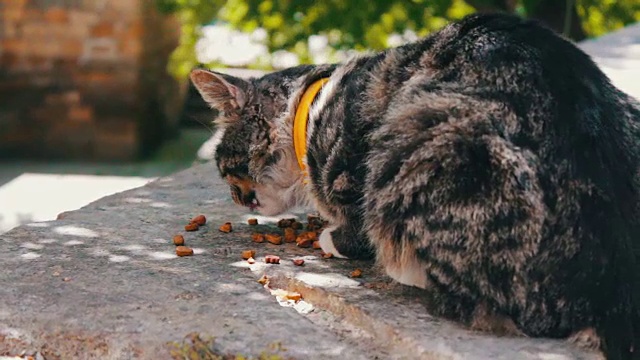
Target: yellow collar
[[300, 121]]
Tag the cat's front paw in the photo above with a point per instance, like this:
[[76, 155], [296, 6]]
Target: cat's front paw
[[326, 242], [586, 338]]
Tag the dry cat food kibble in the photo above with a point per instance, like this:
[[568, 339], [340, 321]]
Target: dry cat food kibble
[[316, 245], [298, 262], [184, 251], [287, 295], [257, 237], [293, 296], [274, 239], [285, 223], [247, 254], [251, 261], [178, 240], [306, 239], [304, 242], [200, 220], [327, 255], [191, 227], [252, 221], [289, 235], [314, 223], [226, 227], [356, 273], [263, 280], [310, 235], [272, 259]]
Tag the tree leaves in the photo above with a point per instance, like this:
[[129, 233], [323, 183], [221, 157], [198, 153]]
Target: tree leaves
[[369, 24]]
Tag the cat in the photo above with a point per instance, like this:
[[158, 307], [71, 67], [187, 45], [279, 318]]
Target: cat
[[491, 163]]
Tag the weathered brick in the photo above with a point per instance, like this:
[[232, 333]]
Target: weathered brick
[[81, 113], [116, 140], [13, 46], [49, 32], [8, 29], [96, 52], [56, 15], [65, 98], [78, 17], [103, 29], [70, 49], [70, 139]]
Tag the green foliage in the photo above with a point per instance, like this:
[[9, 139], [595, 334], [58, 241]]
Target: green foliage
[[602, 16], [362, 24], [192, 14]]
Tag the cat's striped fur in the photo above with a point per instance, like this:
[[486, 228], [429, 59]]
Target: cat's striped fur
[[491, 163]]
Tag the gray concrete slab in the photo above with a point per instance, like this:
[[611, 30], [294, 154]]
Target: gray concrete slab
[[103, 282]]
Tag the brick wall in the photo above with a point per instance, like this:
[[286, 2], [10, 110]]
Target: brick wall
[[85, 78]]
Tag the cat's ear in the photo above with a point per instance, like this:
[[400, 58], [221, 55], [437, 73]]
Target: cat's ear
[[225, 93]]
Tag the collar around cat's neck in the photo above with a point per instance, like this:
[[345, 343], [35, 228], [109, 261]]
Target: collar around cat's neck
[[301, 118]]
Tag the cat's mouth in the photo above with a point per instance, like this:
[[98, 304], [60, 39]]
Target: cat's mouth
[[254, 204], [248, 199]]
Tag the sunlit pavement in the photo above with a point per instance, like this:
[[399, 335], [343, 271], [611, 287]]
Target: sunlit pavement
[[40, 197], [38, 191]]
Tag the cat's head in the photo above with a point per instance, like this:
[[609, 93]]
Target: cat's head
[[253, 147]]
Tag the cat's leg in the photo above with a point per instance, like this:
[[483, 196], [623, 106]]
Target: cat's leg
[[346, 240], [586, 338], [485, 320], [456, 209]]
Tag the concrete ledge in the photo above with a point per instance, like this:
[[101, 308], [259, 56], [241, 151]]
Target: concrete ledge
[[103, 282]]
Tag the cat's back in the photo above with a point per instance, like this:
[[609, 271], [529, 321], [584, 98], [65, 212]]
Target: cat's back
[[543, 93]]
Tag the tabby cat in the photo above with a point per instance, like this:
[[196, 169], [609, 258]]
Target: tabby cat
[[491, 163]]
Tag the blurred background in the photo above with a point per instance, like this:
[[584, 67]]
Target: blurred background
[[94, 97]]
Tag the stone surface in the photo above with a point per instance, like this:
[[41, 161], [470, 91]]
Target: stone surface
[[103, 282]]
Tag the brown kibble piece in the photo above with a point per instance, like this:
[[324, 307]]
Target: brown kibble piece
[[200, 220], [316, 245], [356, 273], [178, 240], [327, 255], [252, 221], [257, 237], [287, 295], [293, 296], [272, 259], [298, 262], [226, 227], [191, 227], [289, 235], [184, 251], [263, 280], [306, 239], [304, 242], [247, 254], [314, 223], [310, 235], [274, 239], [285, 223]]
